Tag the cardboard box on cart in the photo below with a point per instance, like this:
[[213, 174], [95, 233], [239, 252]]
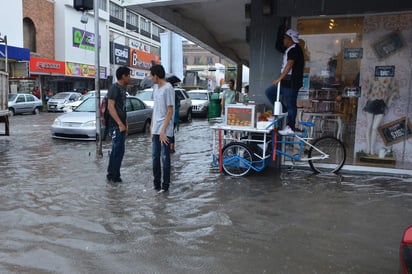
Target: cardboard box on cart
[[240, 115]]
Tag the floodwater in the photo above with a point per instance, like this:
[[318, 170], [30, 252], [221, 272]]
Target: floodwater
[[58, 214]]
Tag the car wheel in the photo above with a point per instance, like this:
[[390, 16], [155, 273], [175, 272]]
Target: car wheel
[[11, 112], [36, 111], [189, 116]]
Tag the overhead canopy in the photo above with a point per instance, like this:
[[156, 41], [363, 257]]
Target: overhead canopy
[[220, 25]]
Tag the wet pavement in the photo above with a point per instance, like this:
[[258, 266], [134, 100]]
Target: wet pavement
[[58, 214]]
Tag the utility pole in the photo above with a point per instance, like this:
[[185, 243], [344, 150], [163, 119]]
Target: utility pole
[[84, 6], [99, 151]]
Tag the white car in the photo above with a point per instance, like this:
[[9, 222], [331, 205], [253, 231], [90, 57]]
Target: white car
[[185, 111], [68, 107], [200, 101], [57, 102]]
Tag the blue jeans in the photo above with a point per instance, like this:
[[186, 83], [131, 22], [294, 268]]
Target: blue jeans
[[159, 149], [289, 98], [117, 153]]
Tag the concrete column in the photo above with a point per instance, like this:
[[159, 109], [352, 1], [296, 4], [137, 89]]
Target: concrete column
[[265, 60]]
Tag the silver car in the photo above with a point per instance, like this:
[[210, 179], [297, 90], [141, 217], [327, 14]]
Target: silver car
[[80, 124], [58, 101], [23, 103], [185, 110]]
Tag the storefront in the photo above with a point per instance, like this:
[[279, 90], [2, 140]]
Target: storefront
[[137, 57], [59, 76], [17, 67], [358, 84]]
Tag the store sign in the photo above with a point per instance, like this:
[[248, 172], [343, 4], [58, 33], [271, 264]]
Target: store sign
[[84, 70], [395, 131], [143, 60], [385, 71], [121, 55], [353, 53], [138, 74], [14, 53], [40, 65], [84, 39], [140, 46]]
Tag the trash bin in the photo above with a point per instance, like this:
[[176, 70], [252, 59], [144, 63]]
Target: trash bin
[[215, 108]]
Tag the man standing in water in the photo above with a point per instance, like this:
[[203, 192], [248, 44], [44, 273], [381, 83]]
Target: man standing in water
[[117, 123], [161, 127]]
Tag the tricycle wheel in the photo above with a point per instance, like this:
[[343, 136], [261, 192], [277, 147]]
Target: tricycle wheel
[[236, 159]]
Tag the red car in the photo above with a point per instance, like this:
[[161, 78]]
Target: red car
[[405, 252]]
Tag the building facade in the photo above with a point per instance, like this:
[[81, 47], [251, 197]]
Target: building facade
[[52, 46]]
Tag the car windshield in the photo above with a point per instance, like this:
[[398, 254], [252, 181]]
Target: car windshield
[[60, 95], [198, 95], [145, 95], [12, 96], [88, 105]]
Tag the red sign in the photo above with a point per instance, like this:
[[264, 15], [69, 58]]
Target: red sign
[[41, 65], [142, 60]]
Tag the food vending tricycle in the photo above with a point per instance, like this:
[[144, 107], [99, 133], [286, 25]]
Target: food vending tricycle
[[241, 145]]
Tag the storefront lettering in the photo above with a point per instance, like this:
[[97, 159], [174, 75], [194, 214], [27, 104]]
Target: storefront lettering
[[137, 63], [140, 46], [121, 53], [42, 65]]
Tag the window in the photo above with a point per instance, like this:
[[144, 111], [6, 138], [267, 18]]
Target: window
[[116, 11], [137, 105], [20, 99], [29, 33], [102, 5], [132, 18], [185, 61], [209, 60], [129, 105], [29, 98], [144, 24], [196, 60], [156, 30]]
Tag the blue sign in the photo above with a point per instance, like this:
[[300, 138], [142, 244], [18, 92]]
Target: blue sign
[[15, 53]]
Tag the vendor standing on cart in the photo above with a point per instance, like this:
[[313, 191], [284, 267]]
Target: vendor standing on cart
[[290, 78]]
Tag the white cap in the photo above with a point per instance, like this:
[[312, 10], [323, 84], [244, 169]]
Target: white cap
[[293, 34]]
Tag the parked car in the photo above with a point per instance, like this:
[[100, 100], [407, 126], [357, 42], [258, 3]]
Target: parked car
[[200, 101], [57, 102], [80, 124], [185, 111], [405, 252], [72, 105], [23, 103]]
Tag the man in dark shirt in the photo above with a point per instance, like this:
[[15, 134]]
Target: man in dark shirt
[[117, 123], [290, 78]]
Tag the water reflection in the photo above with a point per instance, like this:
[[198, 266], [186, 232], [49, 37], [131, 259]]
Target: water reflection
[[60, 216]]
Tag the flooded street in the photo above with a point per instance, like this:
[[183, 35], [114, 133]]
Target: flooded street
[[58, 214]]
